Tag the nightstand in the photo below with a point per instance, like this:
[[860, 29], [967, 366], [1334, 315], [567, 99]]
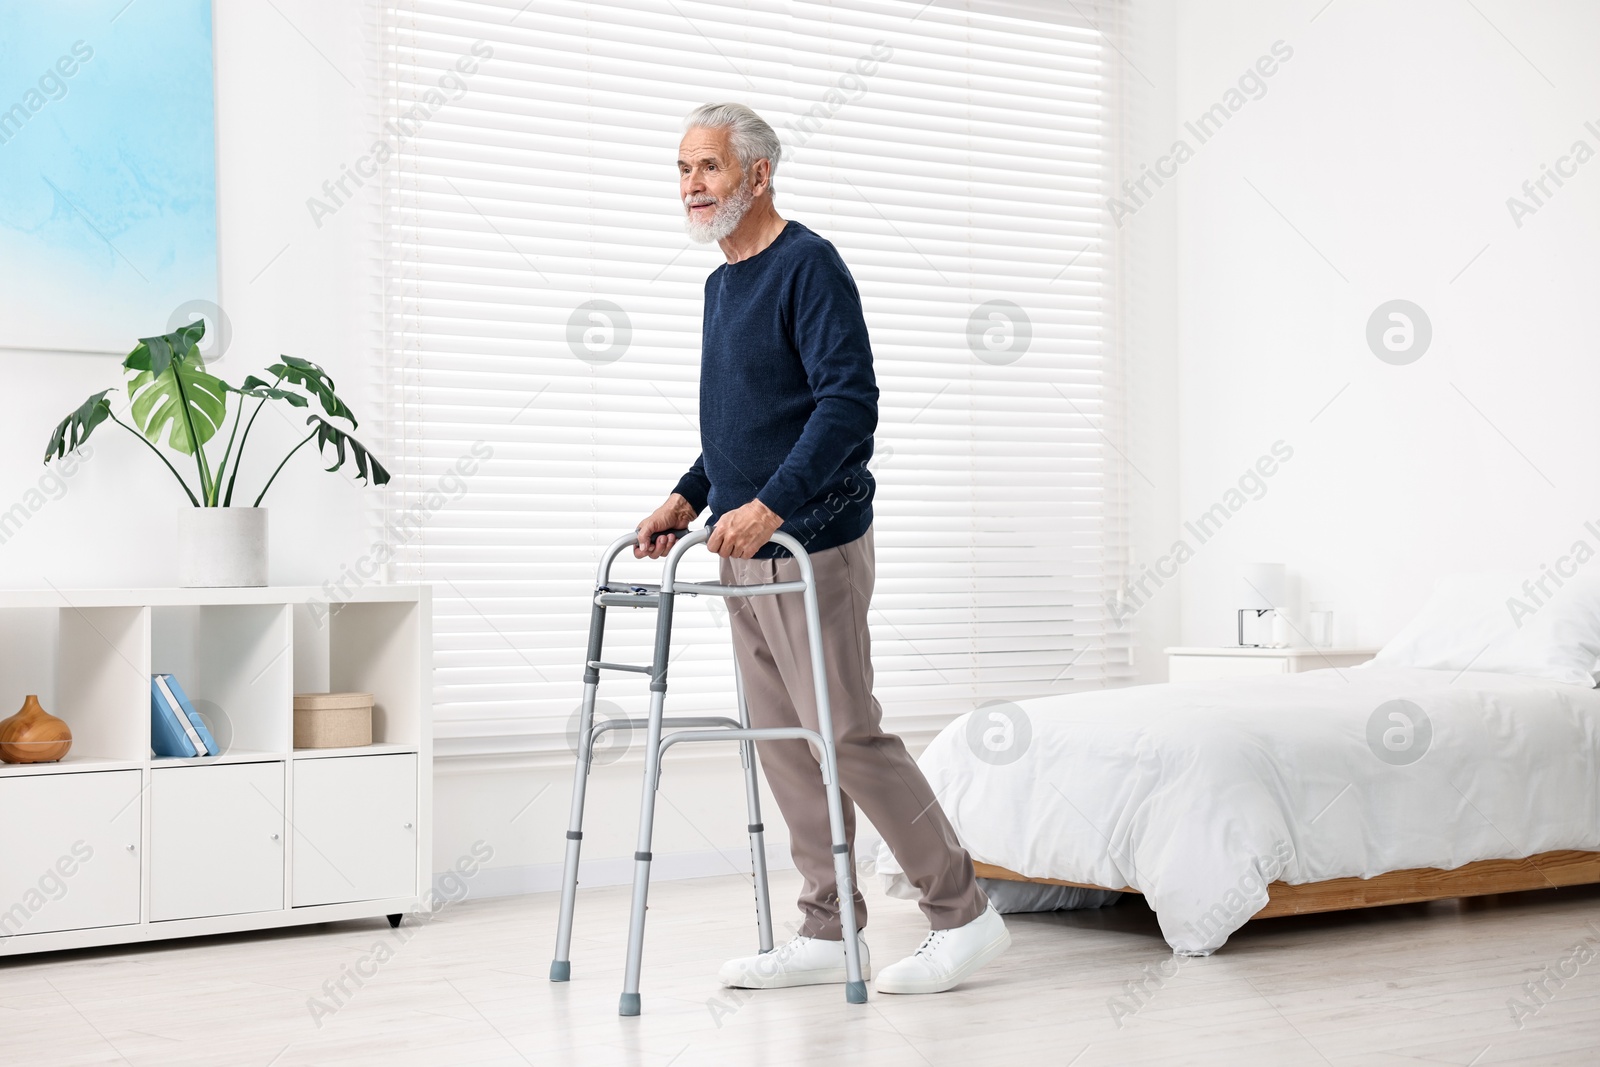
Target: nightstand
[[1228, 661]]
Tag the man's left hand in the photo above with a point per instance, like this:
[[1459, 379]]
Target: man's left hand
[[742, 532]]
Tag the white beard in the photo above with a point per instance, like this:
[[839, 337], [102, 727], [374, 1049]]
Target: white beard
[[724, 219]]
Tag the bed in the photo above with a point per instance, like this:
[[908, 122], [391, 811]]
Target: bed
[[1222, 801]]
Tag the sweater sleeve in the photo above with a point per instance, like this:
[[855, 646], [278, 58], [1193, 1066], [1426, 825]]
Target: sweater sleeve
[[831, 335], [694, 486]]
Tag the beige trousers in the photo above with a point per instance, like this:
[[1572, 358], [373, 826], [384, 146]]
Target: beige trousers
[[875, 770]]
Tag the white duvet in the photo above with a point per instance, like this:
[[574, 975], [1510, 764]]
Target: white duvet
[[1199, 794]]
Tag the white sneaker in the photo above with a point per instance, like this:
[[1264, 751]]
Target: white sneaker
[[947, 957], [803, 961]]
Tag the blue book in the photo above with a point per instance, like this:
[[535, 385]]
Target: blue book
[[167, 738], [199, 724]]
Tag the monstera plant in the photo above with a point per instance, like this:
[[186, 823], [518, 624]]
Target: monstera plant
[[174, 397], [173, 393]]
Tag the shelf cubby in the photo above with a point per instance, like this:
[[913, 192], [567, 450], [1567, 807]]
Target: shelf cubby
[[234, 660], [370, 647], [98, 665]]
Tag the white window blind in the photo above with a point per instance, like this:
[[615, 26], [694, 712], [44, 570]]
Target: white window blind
[[541, 312]]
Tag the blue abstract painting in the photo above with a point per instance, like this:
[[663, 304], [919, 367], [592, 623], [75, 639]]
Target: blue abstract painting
[[108, 185]]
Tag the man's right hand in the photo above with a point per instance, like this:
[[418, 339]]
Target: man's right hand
[[654, 542]]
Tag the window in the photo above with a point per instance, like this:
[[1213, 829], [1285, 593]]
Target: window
[[541, 311]]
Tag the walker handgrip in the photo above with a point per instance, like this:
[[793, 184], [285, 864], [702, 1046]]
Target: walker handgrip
[[664, 533]]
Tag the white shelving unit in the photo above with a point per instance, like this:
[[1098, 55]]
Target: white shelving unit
[[114, 845]]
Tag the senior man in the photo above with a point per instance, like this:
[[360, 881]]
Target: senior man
[[788, 403]]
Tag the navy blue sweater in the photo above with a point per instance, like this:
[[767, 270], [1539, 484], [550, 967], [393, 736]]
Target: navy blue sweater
[[788, 401]]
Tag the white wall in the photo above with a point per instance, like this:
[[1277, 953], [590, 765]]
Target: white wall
[[286, 120], [1377, 166], [1148, 326], [519, 808]]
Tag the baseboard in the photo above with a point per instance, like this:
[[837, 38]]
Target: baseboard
[[666, 867]]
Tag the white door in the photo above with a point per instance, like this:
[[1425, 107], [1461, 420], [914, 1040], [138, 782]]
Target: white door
[[69, 851], [355, 828], [216, 840]]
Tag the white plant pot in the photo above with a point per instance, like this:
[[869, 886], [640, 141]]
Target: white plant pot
[[221, 547]]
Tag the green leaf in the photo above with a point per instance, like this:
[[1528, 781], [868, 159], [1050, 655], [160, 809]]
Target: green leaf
[[154, 354], [255, 387], [313, 379], [180, 394], [75, 429], [368, 469]]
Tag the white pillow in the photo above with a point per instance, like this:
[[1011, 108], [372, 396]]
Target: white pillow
[[1499, 621]]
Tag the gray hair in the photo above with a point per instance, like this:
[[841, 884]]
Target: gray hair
[[749, 134]]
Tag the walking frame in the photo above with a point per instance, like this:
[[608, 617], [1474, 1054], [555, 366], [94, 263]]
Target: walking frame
[[661, 597]]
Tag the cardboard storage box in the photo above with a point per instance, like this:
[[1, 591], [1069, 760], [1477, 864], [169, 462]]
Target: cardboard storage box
[[332, 720]]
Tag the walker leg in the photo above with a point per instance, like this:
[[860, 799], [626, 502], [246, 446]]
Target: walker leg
[[629, 1004], [855, 989], [561, 965], [641, 862], [758, 847]]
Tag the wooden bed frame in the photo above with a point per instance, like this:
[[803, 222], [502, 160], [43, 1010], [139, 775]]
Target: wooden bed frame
[[1547, 870]]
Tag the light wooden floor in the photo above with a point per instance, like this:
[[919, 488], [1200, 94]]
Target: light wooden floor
[[1416, 984]]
